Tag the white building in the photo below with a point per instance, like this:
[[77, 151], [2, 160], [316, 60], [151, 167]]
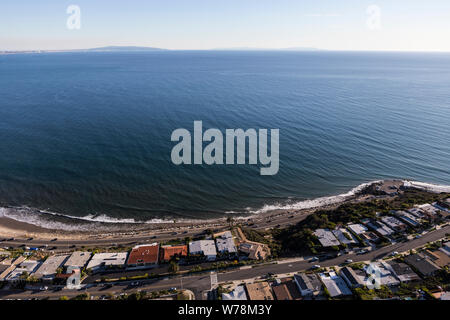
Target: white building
[[308, 284], [225, 243], [335, 285], [78, 259], [107, 259], [344, 236], [28, 266], [326, 238], [205, 247], [357, 228], [387, 278], [50, 266], [237, 294]]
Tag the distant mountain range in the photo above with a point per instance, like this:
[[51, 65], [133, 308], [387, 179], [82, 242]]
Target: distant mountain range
[[147, 49], [121, 48]]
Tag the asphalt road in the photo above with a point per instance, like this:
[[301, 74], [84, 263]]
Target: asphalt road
[[201, 282]]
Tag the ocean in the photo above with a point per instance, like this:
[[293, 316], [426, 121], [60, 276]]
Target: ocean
[[87, 134]]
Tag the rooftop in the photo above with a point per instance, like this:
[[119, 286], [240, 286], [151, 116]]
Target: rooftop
[[421, 263], [357, 228], [144, 254], [50, 266], [281, 292], [78, 259], [259, 291], [335, 285], [403, 272], [326, 238], [237, 294], [207, 247], [167, 252], [107, 259]]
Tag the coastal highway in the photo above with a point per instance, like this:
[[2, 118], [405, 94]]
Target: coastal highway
[[259, 223], [200, 283]]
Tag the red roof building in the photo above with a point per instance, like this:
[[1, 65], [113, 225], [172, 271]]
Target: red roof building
[[168, 252], [144, 254]]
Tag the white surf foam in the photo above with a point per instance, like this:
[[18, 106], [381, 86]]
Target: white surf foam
[[438, 188], [318, 202]]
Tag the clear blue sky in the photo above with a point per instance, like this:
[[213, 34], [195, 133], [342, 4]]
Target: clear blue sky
[[412, 25]]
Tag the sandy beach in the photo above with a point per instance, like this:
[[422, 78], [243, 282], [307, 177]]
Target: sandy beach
[[17, 229]]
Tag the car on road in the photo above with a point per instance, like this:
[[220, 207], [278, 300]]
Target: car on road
[[394, 253], [134, 284], [43, 288], [54, 239], [313, 259], [349, 261], [314, 267]]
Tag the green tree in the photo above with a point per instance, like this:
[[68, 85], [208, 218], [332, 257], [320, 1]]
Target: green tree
[[174, 267]]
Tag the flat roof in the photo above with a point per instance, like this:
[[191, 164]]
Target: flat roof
[[259, 291], [237, 294], [167, 252], [226, 245], [357, 228], [78, 259], [207, 247], [107, 259], [326, 238], [49, 266]]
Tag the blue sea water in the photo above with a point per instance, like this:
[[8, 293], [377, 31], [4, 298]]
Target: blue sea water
[[88, 134]]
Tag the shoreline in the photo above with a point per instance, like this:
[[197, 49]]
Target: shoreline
[[284, 215]]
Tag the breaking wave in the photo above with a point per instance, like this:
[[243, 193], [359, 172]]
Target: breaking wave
[[103, 222], [426, 186], [318, 202]]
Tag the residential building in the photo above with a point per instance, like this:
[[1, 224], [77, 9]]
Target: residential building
[[255, 251], [344, 236], [417, 213], [27, 266], [387, 278], [402, 271], [7, 266], [335, 285], [50, 266], [394, 223], [259, 291], [281, 292], [237, 294], [77, 260], [438, 257], [107, 259], [430, 211], [352, 279], [408, 218], [326, 238], [144, 255], [422, 264], [308, 284], [357, 228], [205, 247], [170, 252], [225, 243], [380, 228], [445, 248]]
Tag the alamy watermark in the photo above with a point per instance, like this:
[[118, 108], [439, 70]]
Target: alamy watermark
[[235, 147], [373, 22], [373, 280], [74, 20]]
